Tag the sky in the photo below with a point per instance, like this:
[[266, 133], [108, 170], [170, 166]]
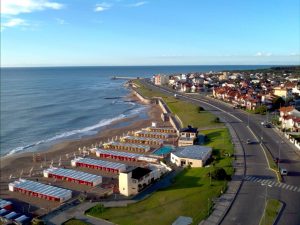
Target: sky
[[150, 32]]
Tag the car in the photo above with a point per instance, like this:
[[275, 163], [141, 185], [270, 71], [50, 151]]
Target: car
[[248, 142], [283, 172], [263, 123], [268, 125]]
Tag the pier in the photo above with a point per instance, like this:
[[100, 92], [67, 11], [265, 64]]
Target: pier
[[123, 78]]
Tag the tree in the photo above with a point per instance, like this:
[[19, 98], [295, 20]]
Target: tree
[[219, 174], [278, 102], [261, 109]]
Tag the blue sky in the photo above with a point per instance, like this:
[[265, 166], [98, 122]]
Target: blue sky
[[150, 32]]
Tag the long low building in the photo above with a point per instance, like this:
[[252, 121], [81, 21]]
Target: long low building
[[167, 130], [122, 156], [4, 204], [193, 155], [142, 140], [36, 189], [73, 176], [99, 165], [126, 147], [151, 134]]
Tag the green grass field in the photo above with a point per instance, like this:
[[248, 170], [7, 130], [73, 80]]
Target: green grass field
[[187, 112], [190, 195], [75, 222], [271, 212]]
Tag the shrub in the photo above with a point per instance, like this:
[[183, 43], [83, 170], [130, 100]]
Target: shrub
[[217, 120], [261, 109], [219, 174], [200, 109]]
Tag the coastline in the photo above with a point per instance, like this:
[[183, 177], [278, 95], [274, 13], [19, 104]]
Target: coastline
[[63, 147]]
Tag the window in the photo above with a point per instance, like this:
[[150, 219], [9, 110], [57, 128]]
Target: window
[[190, 163]]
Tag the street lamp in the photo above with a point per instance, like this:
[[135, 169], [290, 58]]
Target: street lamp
[[267, 185], [279, 148]]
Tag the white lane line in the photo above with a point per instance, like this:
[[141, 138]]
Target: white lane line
[[280, 185], [276, 184], [284, 186], [298, 190], [291, 188], [255, 179]]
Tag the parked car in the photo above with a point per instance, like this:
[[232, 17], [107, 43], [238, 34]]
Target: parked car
[[283, 172], [248, 142], [268, 125]]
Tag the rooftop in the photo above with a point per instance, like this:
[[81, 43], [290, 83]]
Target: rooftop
[[116, 153], [139, 172], [189, 129], [41, 188], [193, 151], [101, 163], [74, 174]]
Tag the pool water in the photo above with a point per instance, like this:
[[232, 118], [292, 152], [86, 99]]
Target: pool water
[[164, 150]]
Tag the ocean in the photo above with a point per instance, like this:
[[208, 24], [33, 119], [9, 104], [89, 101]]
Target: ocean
[[42, 106]]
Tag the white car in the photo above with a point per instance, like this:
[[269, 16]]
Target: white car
[[283, 172]]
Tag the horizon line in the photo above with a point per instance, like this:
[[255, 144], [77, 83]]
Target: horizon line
[[162, 65]]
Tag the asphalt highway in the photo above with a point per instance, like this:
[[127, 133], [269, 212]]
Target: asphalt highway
[[247, 209]]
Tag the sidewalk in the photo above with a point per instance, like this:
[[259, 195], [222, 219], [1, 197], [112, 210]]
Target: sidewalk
[[287, 141], [224, 202]]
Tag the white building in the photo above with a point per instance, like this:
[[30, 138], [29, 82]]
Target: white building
[[193, 155], [133, 181]]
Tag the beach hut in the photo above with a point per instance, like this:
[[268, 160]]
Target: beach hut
[[122, 156], [73, 176], [105, 166], [39, 190], [4, 204]]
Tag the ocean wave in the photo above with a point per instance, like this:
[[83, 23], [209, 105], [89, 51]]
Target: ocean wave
[[85, 130]]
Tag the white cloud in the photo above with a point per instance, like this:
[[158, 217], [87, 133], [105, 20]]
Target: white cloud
[[61, 21], [15, 7], [102, 7], [14, 22], [263, 54], [138, 4]]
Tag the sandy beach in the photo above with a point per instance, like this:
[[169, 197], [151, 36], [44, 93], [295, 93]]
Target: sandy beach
[[21, 164]]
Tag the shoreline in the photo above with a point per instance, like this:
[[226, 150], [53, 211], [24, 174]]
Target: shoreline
[[63, 147]]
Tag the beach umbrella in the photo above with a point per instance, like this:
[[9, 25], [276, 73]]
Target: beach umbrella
[[10, 176], [79, 149], [84, 148], [41, 166], [74, 155], [30, 171], [67, 156]]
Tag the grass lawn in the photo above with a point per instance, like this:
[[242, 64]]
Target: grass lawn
[[75, 222], [190, 194], [187, 112], [271, 212]]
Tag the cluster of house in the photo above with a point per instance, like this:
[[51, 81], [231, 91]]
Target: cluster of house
[[289, 119], [245, 90]]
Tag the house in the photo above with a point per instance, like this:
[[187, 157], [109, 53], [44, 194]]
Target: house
[[136, 179], [283, 92], [161, 79], [187, 136], [194, 156]]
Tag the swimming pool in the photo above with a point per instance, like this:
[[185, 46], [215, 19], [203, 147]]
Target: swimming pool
[[164, 150]]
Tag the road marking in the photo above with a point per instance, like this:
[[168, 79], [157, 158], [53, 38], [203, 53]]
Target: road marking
[[276, 184], [280, 185], [272, 183], [291, 188], [284, 186], [255, 179], [295, 188], [269, 182], [298, 190]]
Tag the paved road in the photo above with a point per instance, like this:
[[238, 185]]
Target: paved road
[[249, 204]]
